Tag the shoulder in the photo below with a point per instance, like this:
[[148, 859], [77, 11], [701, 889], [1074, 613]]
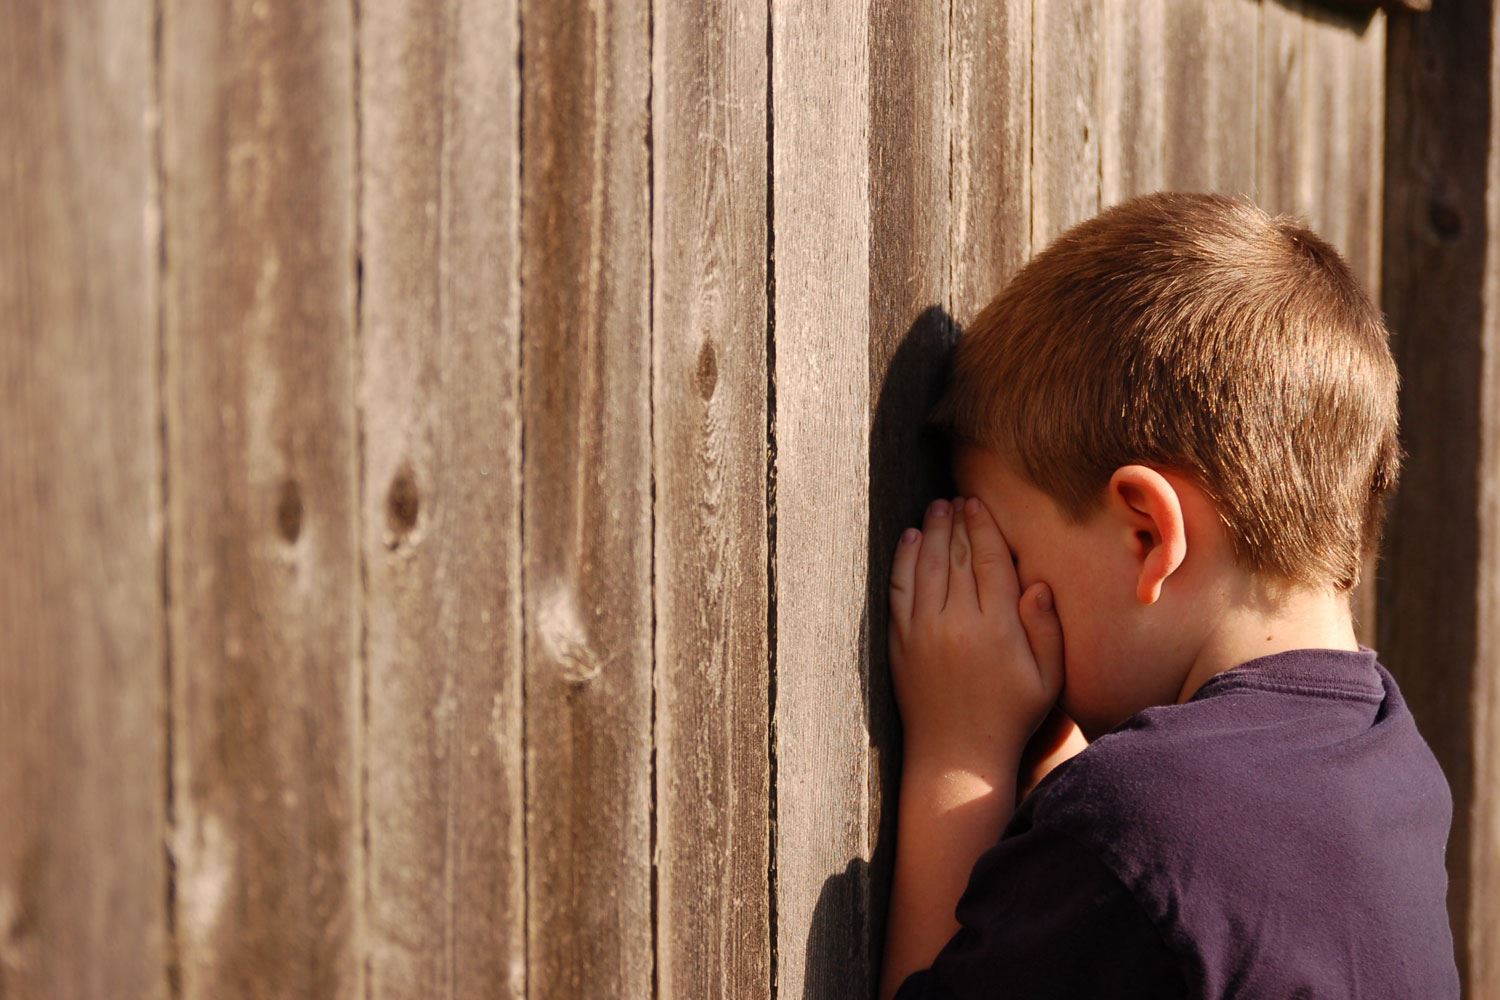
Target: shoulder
[[1320, 822]]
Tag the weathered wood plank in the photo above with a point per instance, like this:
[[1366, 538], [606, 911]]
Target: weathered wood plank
[[1324, 149], [991, 141], [911, 149], [820, 75], [1133, 114], [441, 521], [264, 570], [1211, 56], [1440, 280], [712, 574], [83, 784], [586, 553], [1066, 45], [1282, 180], [1364, 95]]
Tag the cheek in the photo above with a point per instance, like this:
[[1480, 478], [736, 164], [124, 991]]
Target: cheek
[[1087, 650]]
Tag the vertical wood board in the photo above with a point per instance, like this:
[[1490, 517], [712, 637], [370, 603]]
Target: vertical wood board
[[259, 301], [441, 517], [586, 497], [1210, 74], [1134, 105], [1065, 126], [83, 659], [990, 135], [712, 573], [820, 76]]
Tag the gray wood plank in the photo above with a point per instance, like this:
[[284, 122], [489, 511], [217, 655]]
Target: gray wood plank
[[820, 91], [586, 499], [1365, 96], [1325, 146], [991, 131], [1133, 113], [1438, 617], [83, 782], [1283, 148], [1211, 58], [441, 519], [710, 455], [264, 571], [1065, 128]]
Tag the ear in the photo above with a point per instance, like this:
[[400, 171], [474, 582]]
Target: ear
[[1150, 509]]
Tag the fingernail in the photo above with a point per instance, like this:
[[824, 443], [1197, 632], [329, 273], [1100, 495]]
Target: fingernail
[[1044, 598], [971, 506], [909, 535], [940, 508]]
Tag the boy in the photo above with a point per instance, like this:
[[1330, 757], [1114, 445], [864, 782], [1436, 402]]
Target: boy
[[1175, 432]]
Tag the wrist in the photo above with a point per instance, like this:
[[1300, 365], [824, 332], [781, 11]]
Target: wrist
[[953, 807]]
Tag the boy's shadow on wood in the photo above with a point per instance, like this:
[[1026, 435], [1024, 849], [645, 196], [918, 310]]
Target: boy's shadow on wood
[[908, 467]]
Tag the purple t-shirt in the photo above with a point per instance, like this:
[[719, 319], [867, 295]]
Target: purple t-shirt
[[1280, 834]]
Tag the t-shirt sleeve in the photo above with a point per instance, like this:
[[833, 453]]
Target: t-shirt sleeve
[[1042, 916]]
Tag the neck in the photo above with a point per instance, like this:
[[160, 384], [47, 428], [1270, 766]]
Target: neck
[[1304, 619]]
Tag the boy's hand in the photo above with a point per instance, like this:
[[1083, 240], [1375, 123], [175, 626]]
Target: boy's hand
[[975, 666]]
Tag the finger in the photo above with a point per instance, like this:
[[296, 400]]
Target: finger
[[960, 567], [903, 578], [1044, 634], [994, 572], [932, 562]]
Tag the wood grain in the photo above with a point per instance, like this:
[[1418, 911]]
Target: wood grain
[[1283, 147], [264, 571], [586, 473], [1210, 65], [1324, 149], [1065, 126], [83, 658], [441, 514], [820, 80], [990, 135], [712, 573], [1133, 113]]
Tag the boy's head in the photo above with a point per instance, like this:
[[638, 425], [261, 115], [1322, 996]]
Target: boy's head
[[1182, 360]]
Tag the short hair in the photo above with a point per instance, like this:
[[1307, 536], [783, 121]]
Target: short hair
[[1197, 333]]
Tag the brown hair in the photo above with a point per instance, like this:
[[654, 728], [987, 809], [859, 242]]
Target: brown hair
[[1197, 333]]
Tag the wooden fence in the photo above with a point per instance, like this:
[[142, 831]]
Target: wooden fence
[[452, 453]]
